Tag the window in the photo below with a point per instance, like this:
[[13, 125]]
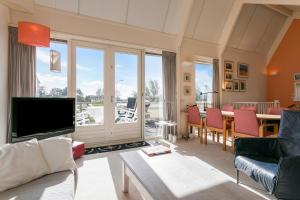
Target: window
[[204, 84], [48, 83], [297, 91], [90, 86]]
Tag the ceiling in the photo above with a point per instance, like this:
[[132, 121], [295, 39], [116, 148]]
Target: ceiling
[[158, 15], [256, 29]]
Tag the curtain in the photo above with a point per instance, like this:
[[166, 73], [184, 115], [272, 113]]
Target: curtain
[[169, 83], [216, 84], [21, 70]]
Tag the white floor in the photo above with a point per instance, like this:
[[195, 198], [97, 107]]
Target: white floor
[[100, 175]]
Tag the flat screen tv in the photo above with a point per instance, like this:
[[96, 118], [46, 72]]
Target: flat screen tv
[[41, 117]]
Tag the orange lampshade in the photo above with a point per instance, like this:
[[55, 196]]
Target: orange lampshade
[[34, 34]]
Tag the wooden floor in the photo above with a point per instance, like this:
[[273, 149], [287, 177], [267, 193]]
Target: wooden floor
[[100, 175]]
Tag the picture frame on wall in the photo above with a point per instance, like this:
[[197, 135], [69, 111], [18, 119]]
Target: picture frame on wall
[[297, 77], [187, 90], [243, 86], [187, 77], [228, 66], [228, 86], [228, 76], [236, 85], [243, 70]]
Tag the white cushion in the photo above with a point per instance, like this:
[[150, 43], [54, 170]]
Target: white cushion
[[21, 163], [58, 154]]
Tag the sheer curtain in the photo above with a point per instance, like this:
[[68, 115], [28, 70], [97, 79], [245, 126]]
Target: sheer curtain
[[169, 82], [21, 70], [216, 84]]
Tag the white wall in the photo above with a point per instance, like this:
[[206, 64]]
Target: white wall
[[256, 83], [4, 20]]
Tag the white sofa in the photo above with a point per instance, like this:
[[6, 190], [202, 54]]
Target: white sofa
[[38, 170]]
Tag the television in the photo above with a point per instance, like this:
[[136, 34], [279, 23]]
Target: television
[[41, 118]]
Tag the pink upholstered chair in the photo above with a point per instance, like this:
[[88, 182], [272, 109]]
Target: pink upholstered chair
[[194, 120], [228, 107], [216, 124], [253, 108], [274, 111], [245, 124]]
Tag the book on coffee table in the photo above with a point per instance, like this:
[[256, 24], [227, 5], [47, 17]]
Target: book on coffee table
[[156, 150]]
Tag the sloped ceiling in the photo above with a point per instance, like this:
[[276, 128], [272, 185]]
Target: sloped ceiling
[[207, 19], [158, 15], [256, 29]]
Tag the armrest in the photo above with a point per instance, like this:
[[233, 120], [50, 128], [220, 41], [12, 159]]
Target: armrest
[[258, 147], [288, 178]]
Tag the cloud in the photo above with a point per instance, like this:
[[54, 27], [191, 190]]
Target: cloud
[[50, 81], [90, 87], [83, 68]]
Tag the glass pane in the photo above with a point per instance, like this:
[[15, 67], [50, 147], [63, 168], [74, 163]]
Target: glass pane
[[90, 87], [204, 84], [153, 94], [126, 71], [51, 84]]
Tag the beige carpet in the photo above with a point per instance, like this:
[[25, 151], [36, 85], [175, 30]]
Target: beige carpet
[[100, 175]]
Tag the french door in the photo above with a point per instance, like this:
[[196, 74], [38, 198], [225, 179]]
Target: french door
[[106, 81]]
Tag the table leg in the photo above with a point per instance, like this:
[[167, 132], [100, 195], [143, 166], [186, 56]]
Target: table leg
[[125, 179]]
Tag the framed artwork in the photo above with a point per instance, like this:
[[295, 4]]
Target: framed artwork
[[297, 77], [243, 70], [228, 76], [243, 86], [228, 66], [228, 86], [187, 90], [187, 77], [236, 85]]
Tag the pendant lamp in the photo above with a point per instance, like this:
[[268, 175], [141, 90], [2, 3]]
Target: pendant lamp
[[33, 34]]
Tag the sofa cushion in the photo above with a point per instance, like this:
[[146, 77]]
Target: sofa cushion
[[58, 154], [55, 186], [21, 163], [262, 172]]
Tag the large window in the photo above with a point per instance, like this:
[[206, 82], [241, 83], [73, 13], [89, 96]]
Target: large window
[[204, 84], [153, 93], [90, 86], [48, 83]]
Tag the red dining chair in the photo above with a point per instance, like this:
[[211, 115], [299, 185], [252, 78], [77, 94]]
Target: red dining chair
[[245, 124], [216, 124], [274, 111], [253, 108], [194, 120], [228, 107]]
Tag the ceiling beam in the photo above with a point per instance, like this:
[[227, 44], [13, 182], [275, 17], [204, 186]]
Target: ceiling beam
[[229, 26], [183, 21], [272, 2], [281, 9], [20, 5]]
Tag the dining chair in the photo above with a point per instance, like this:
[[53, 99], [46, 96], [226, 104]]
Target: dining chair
[[216, 124], [245, 125], [274, 111], [194, 120], [228, 107], [253, 108]]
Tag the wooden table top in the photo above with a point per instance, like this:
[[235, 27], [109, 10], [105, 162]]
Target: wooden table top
[[259, 116]]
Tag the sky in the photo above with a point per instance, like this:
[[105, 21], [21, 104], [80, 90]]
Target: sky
[[90, 70], [204, 76]]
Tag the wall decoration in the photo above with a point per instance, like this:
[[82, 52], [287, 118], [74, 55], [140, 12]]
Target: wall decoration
[[243, 86], [236, 85], [228, 86], [243, 70], [297, 77], [187, 90], [187, 77], [228, 66], [228, 76]]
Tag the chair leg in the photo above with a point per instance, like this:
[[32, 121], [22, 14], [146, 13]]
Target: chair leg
[[237, 176], [205, 135], [224, 140], [213, 136], [218, 137]]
